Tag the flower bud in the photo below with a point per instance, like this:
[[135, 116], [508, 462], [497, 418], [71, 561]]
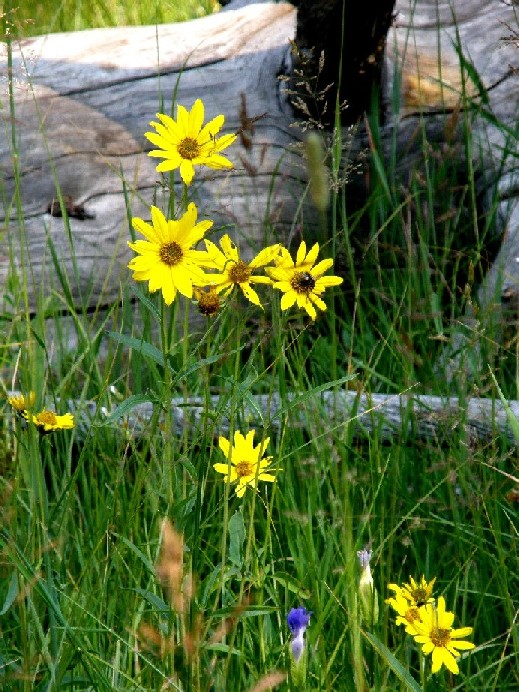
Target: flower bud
[[298, 620], [317, 171], [367, 593]]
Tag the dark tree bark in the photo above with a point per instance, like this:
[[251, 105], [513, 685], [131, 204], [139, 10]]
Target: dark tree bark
[[351, 36]]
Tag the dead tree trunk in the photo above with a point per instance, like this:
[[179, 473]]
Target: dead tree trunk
[[341, 55]]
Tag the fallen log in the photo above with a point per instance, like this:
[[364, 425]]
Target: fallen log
[[406, 417]]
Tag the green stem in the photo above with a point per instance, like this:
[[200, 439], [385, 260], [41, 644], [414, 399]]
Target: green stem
[[165, 333], [421, 659]]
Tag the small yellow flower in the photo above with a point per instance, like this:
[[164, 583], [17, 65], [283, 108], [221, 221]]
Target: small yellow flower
[[244, 463], [415, 593], [185, 143], [301, 281], [47, 421], [435, 634], [236, 272], [166, 258], [21, 403]]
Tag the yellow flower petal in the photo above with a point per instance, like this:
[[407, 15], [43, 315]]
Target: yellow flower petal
[[301, 253], [251, 294]]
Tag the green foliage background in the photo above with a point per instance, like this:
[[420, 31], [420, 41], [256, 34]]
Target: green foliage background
[[33, 18]]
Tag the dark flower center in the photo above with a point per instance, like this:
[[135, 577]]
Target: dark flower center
[[440, 637], [303, 282], [208, 303], [420, 596], [239, 273], [244, 468], [189, 148], [170, 254]]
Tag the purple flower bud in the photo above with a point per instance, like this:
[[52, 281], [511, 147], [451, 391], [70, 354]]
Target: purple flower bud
[[298, 620]]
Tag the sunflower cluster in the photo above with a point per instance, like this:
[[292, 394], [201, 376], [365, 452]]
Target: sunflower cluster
[[429, 622], [46, 420], [168, 259]]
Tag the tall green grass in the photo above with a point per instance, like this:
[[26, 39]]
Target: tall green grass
[[80, 603], [34, 18]]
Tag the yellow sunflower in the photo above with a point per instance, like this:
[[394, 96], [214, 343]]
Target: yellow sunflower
[[236, 272], [21, 403], [185, 142], [415, 593], [47, 421], [244, 463], [437, 637], [166, 258], [408, 613], [300, 281]]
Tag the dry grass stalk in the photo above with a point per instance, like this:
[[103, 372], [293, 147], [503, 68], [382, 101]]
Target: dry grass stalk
[[170, 568], [269, 682]]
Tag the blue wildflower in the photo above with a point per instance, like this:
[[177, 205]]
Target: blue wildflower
[[298, 620]]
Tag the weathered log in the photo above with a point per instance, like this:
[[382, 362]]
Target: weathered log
[[407, 417], [83, 101]]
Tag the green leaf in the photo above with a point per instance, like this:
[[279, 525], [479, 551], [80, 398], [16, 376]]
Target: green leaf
[[12, 593], [156, 602], [398, 669], [123, 409], [138, 552], [140, 346], [145, 300], [202, 362], [297, 401], [291, 584], [236, 538]]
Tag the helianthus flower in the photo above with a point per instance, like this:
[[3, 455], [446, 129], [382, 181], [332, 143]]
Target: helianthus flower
[[415, 593], [185, 143], [301, 281], [208, 301], [47, 421], [408, 613], [21, 403], [244, 463], [167, 260], [236, 272], [436, 636]]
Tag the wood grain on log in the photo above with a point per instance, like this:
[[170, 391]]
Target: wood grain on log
[[408, 417]]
